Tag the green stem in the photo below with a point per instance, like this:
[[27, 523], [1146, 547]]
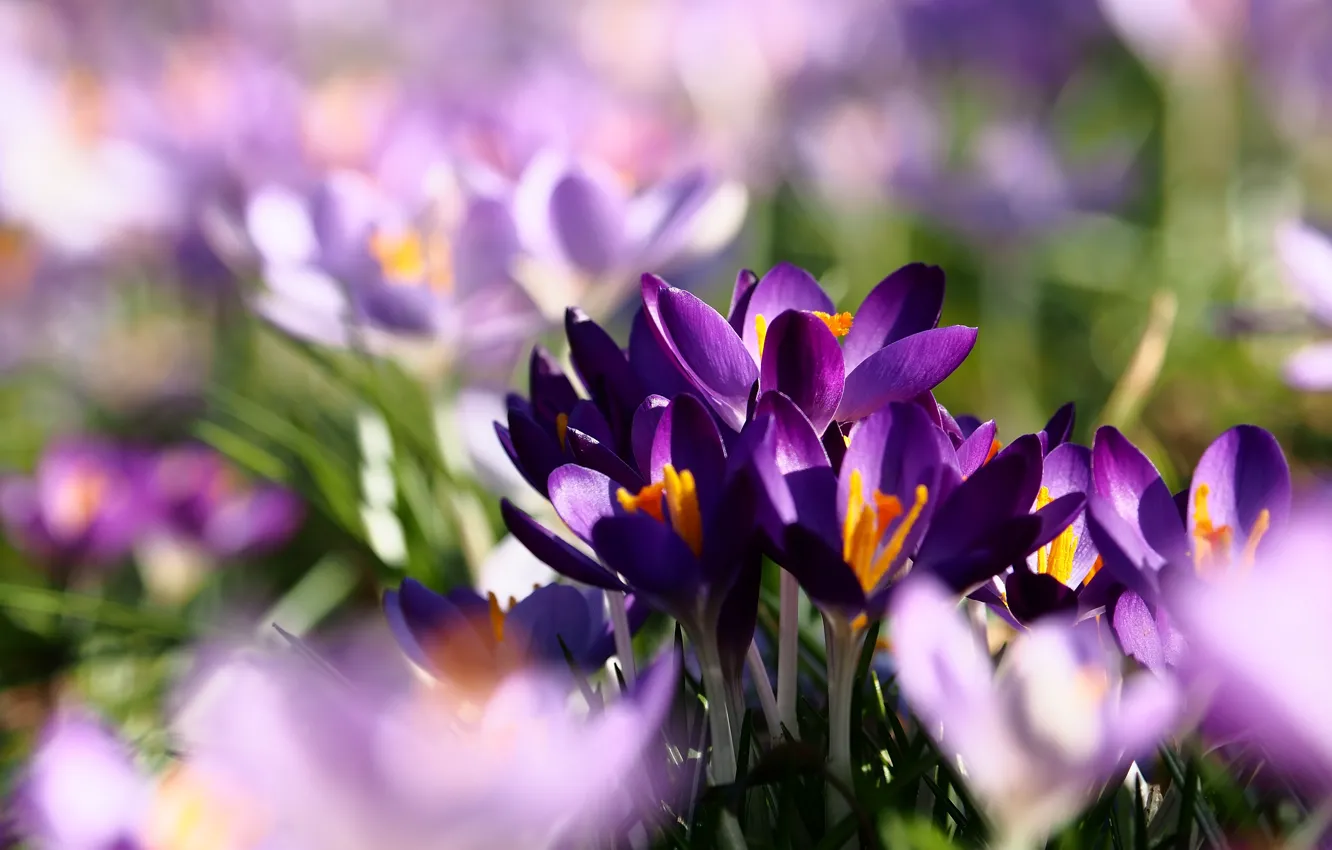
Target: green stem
[[714, 686], [843, 657], [91, 608]]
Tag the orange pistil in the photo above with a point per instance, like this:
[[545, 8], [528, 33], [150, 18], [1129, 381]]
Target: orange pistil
[[1212, 544], [838, 323], [680, 494], [562, 429], [995, 446], [866, 526], [496, 617]]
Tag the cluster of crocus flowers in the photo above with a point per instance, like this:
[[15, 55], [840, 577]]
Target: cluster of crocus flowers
[[93, 503]]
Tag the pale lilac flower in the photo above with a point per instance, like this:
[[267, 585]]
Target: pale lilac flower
[[1037, 737]]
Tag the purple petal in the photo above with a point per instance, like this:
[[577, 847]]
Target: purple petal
[[582, 496], [784, 287], [552, 392], [653, 559], [688, 439], [739, 615], [895, 450], [1060, 427], [802, 360], [1246, 473], [535, 450], [745, 282], [651, 363], [796, 442], [1310, 368], [703, 346], [986, 553], [556, 553], [817, 564], [659, 218], [485, 245], [1057, 516], [644, 431], [1124, 475], [1031, 596], [975, 449], [1136, 630], [594, 454], [906, 302], [904, 369], [1306, 259], [602, 367], [1124, 551], [587, 417], [550, 614], [587, 217]]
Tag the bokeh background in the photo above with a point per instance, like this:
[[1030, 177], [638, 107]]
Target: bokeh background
[[1105, 184]]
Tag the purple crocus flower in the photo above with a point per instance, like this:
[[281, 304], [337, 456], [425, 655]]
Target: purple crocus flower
[[439, 632], [898, 503], [204, 501], [369, 755], [782, 334], [52, 803], [1237, 502], [1258, 679], [345, 267], [1306, 261], [1037, 737], [84, 504]]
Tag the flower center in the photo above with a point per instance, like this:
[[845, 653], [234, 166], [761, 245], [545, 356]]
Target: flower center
[[1212, 544], [838, 323], [408, 259], [866, 526], [680, 495], [78, 501]]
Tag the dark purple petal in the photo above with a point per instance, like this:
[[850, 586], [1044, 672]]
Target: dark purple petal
[[975, 449], [802, 360], [730, 530], [739, 615], [687, 438], [904, 369], [1246, 473], [587, 417], [603, 368], [967, 424], [1057, 516], [1124, 475], [1031, 596], [796, 441], [653, 559], [1060, 427], [1125, 554], [817, 564], [834, 443], [745, 282], [587, 220], [895, 450], [595, 455], [785, 287], [555, 552], [644, 431], [981, 556], [906, 302], [582, 496], [703, 346], [552, 392], [420, 619], [552, 613], [651, 363], [535, 451]]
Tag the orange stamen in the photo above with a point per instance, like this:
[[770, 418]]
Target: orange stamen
[[865, 527], [497, 617], [681, 497], [562, 429], [838, 323]]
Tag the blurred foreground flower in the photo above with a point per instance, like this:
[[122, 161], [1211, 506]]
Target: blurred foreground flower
[[281, 750], [1305, 256], [1036, 738]]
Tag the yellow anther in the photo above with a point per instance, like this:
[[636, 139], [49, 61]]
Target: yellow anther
[[1055, 559], [761, 331], [408, 259], [1260, 528], [681, 498], [562, 429], [497, 617], [995, 446], [864, 528], [1211, 543], [838, 323]]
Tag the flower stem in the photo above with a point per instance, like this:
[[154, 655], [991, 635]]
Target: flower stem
[[759, 673], [714, 686], [624, 640], [843, 658], [788, 655]]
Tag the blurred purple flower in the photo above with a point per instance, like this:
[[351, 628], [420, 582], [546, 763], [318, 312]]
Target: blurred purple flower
[[1037, 737], [1305, 255], [345, 267], [203, 500], [1263, 681], [443, 633], [350, 760], [1235, 506], [85, 504], [52, 803]]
